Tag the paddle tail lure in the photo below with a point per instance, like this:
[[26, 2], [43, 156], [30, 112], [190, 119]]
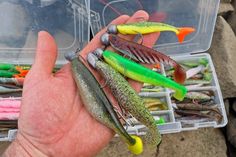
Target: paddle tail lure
[[143, 54], [140, 73], [150, 27], [98, 104], [127, 98]]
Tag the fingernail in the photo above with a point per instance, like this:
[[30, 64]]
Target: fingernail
[[42, 35]]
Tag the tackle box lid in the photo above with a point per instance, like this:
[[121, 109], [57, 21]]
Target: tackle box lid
[[21, 20], [200, 14]]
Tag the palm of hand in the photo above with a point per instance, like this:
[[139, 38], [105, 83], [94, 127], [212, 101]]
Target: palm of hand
[[53, 119], [55, 122]]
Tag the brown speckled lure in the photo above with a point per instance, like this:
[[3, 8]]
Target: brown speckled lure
[[127, 98]]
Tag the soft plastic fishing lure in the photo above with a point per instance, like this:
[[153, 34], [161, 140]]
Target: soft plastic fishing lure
[[5, 90], [9, 116], [197, 107], [10, 103], [140, 73], [127, 98], [196, 82], [7, 74], [98, 104], [195, 63], [194, 71], [143, 54], [16, 81], [150, 27], [13, 74], [198, 96], [9, 109], [4, 66], [201, 114]]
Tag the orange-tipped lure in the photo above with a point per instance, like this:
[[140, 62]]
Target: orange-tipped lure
[[150, 27], [22, 73], [143, 54]]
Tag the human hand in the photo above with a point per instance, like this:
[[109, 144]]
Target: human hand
[[53, 120]]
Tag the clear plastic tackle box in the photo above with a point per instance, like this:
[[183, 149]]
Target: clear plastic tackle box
[[21, 20], [69, 22], [200, 14]]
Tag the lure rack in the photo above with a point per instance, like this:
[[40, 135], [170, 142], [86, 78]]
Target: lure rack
[[67, 21], [199, 14]]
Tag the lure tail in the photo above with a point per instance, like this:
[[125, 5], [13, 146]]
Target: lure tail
[[183, 32], [153, 133], [22, 73], [179, 74]]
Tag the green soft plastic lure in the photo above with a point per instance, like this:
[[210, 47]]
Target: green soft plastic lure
[[7, 74], [140, 73], [150, 27], [4, 66]]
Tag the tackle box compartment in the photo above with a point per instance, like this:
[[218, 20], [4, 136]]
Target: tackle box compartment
[[200, 14], [66, 20]]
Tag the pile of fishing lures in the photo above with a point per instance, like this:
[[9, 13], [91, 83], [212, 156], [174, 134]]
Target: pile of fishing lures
[[199, 104], [9, 113], [12, 79], [198, 73], [11, 86], [114, 68], [197, 107]]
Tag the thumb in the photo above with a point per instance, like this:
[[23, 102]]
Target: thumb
[[46, 55]]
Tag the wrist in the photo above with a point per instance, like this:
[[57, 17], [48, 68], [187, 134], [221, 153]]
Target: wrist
[[21, 147]]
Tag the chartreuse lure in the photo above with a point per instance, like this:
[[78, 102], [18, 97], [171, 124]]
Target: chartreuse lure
[[140, 73], [150, 27], [98, 105], [127, 99]]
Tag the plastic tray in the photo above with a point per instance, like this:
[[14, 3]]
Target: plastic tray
[[66, 20], [200, 14], [172, 125]]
